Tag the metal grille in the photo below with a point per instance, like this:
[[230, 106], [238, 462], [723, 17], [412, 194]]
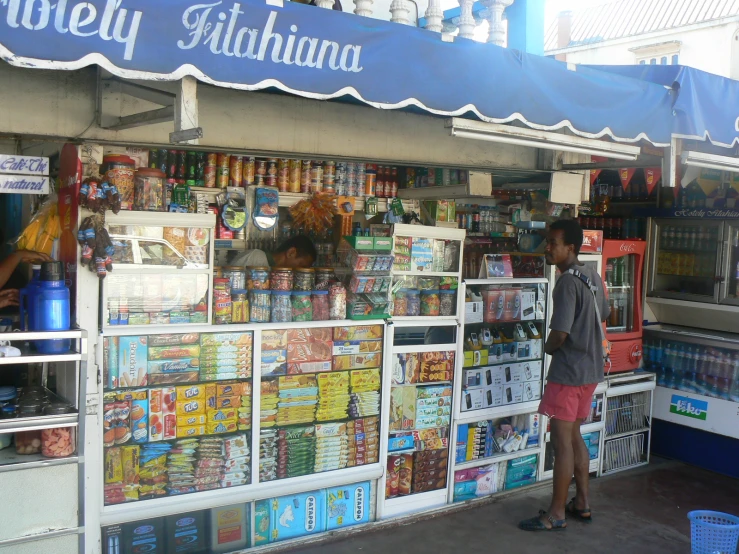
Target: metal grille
[[628, 413], [624, 452]]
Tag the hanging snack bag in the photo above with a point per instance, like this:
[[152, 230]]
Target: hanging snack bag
[[266, 206]]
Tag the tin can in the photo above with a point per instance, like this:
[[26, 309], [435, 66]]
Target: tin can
[[200, 162], [283, 174], [153, 158], [222, 167], [329, 176], [305, 176], [293, 180], [270, 180], [247, 171], [370, 181], [272, 166], [181, 165], [258, 180], [209, 176], [234, 173], [211, 158], [191, 158], [261, 167], [316, 177]]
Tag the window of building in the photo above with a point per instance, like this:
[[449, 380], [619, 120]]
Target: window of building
[[665, 53], [674, 59]]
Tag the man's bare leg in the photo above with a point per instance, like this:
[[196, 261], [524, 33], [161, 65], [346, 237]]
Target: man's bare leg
[[564, 466], [582, 468]]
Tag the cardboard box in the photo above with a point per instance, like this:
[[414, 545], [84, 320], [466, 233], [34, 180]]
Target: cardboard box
[[358, 332], [512, 305], [473, 312], [474, 358], [144, 536], [512, 373], [156, 417], [493, 305], [274, 362], [344, 348], [191, 392], [358, 361], [132, 361], [274, 340], [169, 412], [313, 334], [315, 351], [529, 350], [189, 407], [592, 241], [528, 305], [298, 515], [347, 505], [186, 532], [229, 528]]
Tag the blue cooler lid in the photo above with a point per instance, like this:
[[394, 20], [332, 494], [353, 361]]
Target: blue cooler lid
[[7, 393]]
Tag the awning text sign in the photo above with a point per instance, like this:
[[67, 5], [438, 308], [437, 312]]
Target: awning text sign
[[322, 54]]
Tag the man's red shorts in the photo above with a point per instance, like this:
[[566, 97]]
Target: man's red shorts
[[565, 402]]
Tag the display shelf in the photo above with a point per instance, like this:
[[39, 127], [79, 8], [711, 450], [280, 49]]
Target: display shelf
[[120, 330], [21, 424], [499, 411], [426, 274], [55, 534], [427, 319], [134, 511], [29, 357], [421, 501], [43, 335], [584, 428], [229, 244], [507, 281], [289, 199], [644, 429], [420, 385], [410, 349], [458, 466], [10, 461]]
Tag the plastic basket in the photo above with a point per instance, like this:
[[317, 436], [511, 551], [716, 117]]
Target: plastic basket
[[713, 532]]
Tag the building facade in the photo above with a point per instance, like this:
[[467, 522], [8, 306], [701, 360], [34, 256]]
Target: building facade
[[700, 33]]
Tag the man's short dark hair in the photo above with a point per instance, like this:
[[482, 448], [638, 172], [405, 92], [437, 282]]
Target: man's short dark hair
[[571, 230], [302, 244]]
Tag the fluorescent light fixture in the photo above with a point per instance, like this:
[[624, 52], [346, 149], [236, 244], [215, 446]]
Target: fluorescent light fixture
[[506, 134], [710, 161]]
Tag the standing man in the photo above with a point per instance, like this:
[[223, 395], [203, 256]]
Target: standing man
[[576, 346]]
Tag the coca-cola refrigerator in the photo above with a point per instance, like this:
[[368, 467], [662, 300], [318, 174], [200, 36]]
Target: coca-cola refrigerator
[[623, 263]]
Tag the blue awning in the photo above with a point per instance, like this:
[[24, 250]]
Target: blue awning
[[706, 105], [325, 54]]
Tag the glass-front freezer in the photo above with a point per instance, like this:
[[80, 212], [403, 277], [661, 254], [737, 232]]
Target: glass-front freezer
[[687, 260], [730, 285]]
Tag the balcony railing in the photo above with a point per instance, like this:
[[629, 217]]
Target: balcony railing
[[464, 21]]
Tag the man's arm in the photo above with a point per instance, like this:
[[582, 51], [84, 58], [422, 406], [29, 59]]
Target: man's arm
[[554, 341], [8, 265]]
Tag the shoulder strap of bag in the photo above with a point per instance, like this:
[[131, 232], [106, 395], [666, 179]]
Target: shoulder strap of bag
[[588, 283]]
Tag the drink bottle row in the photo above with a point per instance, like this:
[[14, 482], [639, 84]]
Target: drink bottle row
[[676, 237], [618, 228], [694, 368]]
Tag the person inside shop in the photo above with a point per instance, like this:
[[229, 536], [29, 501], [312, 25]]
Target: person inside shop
[[9, 296], [296, 252], [575, 343]]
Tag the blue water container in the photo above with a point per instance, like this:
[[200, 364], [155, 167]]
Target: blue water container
[[52, 307], [29, 306]]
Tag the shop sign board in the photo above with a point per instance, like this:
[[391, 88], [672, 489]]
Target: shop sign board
[[24, 174], [24, 184], [689, 407]]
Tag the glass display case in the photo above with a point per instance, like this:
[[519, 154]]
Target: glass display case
[[730, 291], [504, 332], [162, 270], [686, 259]]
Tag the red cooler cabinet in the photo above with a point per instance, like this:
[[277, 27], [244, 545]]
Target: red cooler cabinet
[[623, 263]]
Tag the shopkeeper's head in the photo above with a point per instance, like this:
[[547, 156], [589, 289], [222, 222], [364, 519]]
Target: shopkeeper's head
[[297, 252], [564, 241]]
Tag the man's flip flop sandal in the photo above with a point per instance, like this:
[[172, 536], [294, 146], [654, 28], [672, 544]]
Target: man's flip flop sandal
[[536, 524], [583, 515]]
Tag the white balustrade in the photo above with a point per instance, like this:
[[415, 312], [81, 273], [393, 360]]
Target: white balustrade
[[497, 33], [328, 4], [400, 10], [434, 16], [363, 7], [466, 20]]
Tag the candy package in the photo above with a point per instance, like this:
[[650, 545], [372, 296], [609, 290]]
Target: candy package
[[266, 208]]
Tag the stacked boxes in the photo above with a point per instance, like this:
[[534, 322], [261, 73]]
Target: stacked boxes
[[330, 387]]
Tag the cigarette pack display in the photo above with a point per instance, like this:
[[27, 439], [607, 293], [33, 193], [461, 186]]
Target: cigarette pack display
[[132, 361]]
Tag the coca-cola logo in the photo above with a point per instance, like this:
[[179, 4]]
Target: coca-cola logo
[[628, 247]]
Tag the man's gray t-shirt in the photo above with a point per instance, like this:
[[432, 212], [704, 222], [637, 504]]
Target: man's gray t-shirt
[[579, 361]]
